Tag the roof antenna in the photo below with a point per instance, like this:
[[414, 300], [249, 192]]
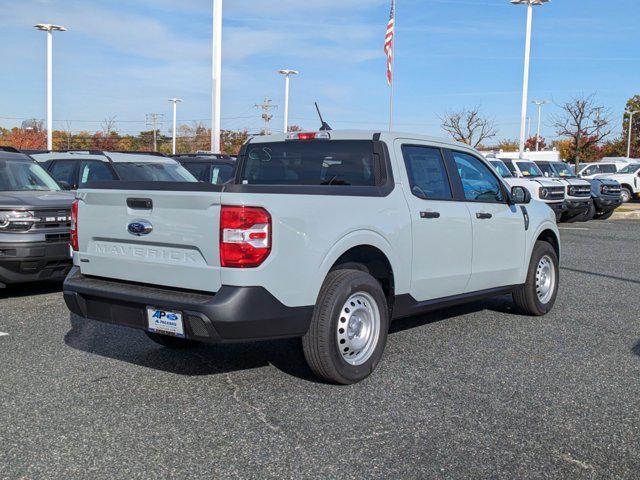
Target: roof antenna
[[325, 126]]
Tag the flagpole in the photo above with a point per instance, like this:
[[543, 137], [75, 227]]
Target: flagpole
[[393, 67]]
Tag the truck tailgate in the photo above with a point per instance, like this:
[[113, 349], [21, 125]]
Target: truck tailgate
[[181, 250]]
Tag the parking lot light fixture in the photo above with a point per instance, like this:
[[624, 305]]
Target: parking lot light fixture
[[527, 55], [49, 29], [175, 102], [631, 114], [287, 74], [539, 104]]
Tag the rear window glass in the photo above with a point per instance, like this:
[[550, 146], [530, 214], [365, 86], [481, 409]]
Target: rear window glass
[[330, 162], [153, 172]]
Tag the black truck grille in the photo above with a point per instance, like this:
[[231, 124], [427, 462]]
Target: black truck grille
[[579, 191], [556, 193]]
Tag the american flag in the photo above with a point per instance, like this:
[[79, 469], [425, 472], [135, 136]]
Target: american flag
[[389, 40]]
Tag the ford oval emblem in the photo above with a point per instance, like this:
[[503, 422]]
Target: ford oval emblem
[[139, 228]]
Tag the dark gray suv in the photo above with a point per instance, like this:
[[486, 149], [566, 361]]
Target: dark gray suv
[[35, 218]]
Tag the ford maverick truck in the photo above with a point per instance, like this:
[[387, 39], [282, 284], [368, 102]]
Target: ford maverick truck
[[328, 236]]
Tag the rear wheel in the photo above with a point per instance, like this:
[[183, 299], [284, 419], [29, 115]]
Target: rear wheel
[[174, 343], [538, 295], [626, 195], [348, 331]]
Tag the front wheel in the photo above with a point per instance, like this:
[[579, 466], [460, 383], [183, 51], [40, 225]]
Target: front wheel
[[626, 195], [348, 331], [538, 295]]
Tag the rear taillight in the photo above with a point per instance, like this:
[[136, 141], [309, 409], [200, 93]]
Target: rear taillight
[[245, 236], [74, 226]]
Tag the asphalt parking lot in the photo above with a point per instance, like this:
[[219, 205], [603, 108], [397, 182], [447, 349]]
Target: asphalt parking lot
[[471, 392]]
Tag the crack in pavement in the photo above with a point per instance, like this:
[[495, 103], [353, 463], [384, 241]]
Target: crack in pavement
[[259, 413]]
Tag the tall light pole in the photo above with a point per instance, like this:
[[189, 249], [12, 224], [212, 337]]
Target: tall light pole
[[49, 28], [539, 104], [631, 114], [216, 76], [175, 102], [287, 74], [527, 57]]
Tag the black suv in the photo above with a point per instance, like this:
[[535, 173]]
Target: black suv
[[34, 222], [207, 167]]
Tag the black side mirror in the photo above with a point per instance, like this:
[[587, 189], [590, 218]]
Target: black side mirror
[[520, 195], [64, 185]]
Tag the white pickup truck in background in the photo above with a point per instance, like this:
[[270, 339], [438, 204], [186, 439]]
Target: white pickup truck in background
[[328, 236]]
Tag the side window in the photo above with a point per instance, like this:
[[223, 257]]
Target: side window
[[65, 171], [478, 182], [198, 170], [591, 170], [95, 171], [427, 174], [608, 168]]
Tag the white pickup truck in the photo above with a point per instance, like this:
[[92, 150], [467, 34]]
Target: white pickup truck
[[328, 236]]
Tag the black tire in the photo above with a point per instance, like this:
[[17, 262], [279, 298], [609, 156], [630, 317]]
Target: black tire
[[320, 344], [604, 216], [174, 343], [526, 297], [626, 194], [589, 214]]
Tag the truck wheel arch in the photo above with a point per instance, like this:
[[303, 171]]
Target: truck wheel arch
[[549, 236], [363, 251]]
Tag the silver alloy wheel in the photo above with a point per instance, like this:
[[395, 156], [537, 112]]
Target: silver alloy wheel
[[626, 195], [545, 279], [358, 328]]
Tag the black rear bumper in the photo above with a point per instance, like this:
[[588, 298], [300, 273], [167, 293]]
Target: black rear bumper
[[232, 314], [34, 261]]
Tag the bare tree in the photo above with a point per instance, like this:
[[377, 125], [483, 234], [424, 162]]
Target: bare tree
[[468, 126], [584, 123], [109, 126]]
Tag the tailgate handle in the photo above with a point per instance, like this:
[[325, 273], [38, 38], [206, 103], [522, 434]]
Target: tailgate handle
[[140, 203]]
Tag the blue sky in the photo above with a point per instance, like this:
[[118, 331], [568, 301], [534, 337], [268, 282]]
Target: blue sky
[[126, 58]]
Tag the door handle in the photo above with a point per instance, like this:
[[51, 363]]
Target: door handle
[[429, 215], [483, 216]]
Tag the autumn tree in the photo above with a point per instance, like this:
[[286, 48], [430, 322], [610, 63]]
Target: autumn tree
[[585, 124], [469, 126], [531, 143], [633, 105]]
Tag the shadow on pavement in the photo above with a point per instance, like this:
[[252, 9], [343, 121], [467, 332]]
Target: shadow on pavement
[[133, 346], [30, 289], [611, 277], [636, 348]]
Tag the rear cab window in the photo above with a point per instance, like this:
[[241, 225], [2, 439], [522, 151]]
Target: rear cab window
[[311, 163]]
